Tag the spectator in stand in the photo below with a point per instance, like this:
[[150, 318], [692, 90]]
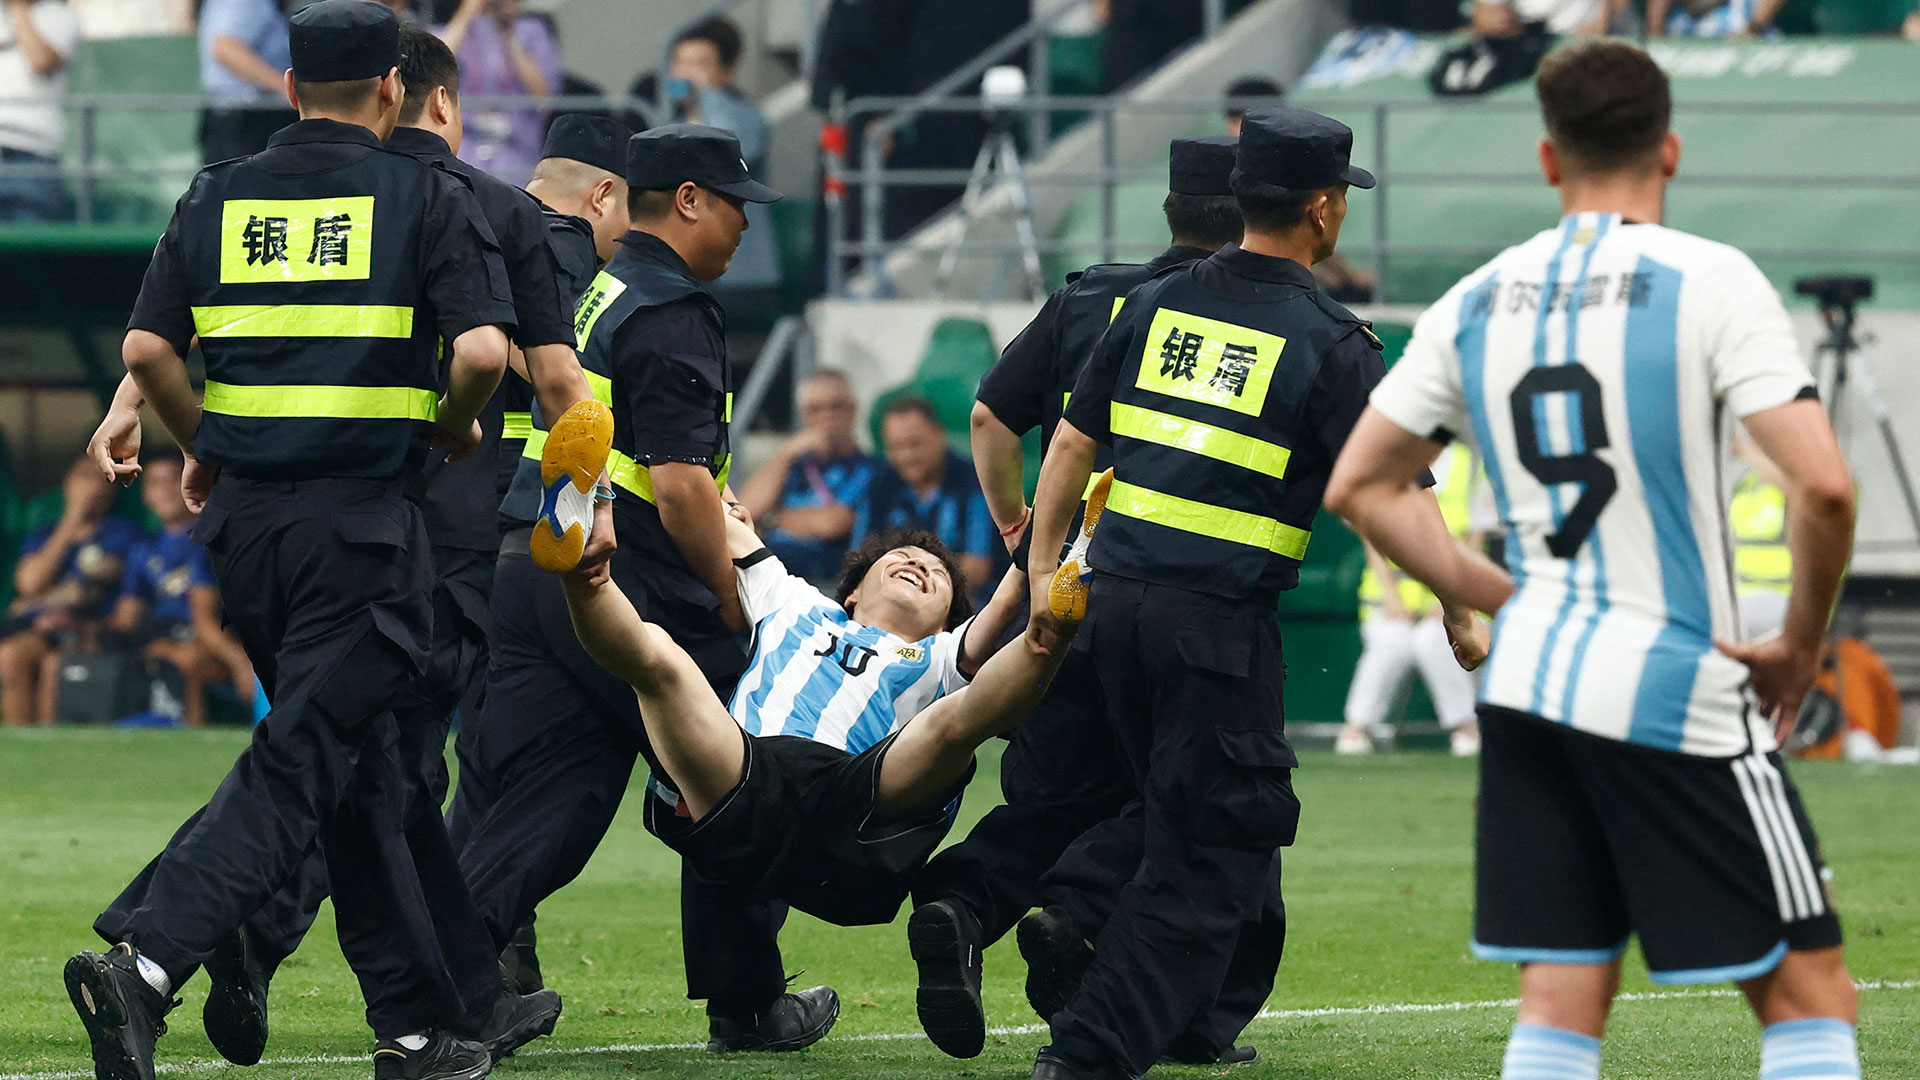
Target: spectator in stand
[[243, 65], [36, 41], [804, 497], [1250, 92], [168, 602], [940, 39], [928, 486], [1722, 19], [67, 575], [700, 91], [1142, 33], [133, 18], [503, 52], [1498, 20]]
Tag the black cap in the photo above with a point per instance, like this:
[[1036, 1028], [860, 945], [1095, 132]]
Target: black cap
[[338, 40], [1201, 166], [663, 158], [598, 141], [1298, 149]]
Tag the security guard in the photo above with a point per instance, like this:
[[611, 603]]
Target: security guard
[[460, 506], [321, 276], [557, 738], [1060, 775], [581, 186], [1225, 389]]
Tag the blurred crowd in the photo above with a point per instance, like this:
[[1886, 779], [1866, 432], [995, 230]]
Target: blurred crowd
[[116, 616]]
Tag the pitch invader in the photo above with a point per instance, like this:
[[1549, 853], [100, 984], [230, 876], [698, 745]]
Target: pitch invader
[[1630, 781]]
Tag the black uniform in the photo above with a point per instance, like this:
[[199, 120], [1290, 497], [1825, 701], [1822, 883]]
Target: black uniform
[[1225, 389], [460, 506], [570, 240], [320, 320], [546, 765]]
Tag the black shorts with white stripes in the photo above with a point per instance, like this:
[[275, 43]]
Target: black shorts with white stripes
[[1583, 841]]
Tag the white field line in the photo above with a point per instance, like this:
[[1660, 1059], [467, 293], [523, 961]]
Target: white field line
[[1399, 1008]]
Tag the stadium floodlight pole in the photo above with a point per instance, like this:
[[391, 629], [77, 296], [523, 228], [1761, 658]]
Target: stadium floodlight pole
[[1838, 295]]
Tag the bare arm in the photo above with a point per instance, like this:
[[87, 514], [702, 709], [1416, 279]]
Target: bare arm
[[479, 359], [455, 32], [1375, 487], [692, 513], [127, 612], [1001, 462], [160, 376], [1820, 507], [238, 57], [554, 371], [40, 54], [761, 492], [115, 446], [1658, 11], [524, 65], [1063, 479], [991, 622]]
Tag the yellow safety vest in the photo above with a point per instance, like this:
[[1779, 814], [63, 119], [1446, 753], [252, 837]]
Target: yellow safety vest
[[1758, 518]]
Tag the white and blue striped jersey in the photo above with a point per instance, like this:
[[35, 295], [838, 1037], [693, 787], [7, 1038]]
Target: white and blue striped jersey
[[1598, 367], [817, 674]]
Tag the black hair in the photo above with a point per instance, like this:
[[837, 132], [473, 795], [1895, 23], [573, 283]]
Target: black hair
[[426, 64], [719, 30], [853, 568], [914, 405], [1268, 208], [345, 95], [1208, 221], [1606, 104], [1250, 86]]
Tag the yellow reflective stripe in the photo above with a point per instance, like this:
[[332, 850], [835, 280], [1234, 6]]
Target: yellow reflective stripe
[[1166, 429], [516, 425], [536, 442], [1219, 522], [638, 479], [728, 418], [601, 386], [338, 402], [304, 320], [1118, 303]]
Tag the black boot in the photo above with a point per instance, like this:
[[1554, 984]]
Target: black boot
[[1057, 959], [1188, 1052], [520, 965], [793, 1021], [235, 1012], [945, 940], [443, 1058], [122, 1013], [515, 1021], [1051, 1066]]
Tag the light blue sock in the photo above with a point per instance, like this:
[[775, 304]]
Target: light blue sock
[[1819, 1049], [1538, 1052]]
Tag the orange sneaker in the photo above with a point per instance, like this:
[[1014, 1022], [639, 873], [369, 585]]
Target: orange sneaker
[[575, 454], [1068, 596]]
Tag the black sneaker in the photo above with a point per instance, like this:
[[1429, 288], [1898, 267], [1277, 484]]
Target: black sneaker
[[123, 1015], [945, 940], [516, 1020], [1182, 1054], [1057, 959], [793, 1021], [443, 1058], [520, 965], [1048, 1065], [235, 1012]]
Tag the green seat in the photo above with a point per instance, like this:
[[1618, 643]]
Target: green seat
[[146, 155], [958, 348], [1860, 16], [1074, 65]]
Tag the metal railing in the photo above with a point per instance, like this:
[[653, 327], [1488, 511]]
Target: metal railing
[[873, 180]]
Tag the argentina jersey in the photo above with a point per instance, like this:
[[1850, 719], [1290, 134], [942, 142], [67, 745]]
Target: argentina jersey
[[817, 674], [1598, 368]]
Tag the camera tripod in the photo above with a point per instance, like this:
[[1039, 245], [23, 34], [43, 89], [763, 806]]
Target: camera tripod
[[999, 159], [1838, 296]]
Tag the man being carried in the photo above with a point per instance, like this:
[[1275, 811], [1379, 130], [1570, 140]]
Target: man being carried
[[838, 767]]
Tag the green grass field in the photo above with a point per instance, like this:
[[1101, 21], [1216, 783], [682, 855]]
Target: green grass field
[[1376, 983]]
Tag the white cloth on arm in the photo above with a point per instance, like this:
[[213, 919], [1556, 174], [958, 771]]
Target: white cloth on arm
[[30, 116], [1609, 352], [818, 674]]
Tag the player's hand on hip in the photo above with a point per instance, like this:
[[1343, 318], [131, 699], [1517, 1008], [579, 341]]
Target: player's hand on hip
[[457, 441], [1469, 635], [196, 483], [1783, 671], [117, 437]]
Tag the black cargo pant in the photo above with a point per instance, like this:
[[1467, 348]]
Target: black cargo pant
[[456, 665], [1193, 691], [322, 584], [545, 764], [1061, 774]]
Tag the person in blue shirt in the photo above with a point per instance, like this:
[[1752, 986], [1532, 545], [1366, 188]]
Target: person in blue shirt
[[64, 581], [169, 602], [928, 486], [805, 496], [243, 58]]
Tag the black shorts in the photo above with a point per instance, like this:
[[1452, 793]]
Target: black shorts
[[800, 828], [1584, 840]]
